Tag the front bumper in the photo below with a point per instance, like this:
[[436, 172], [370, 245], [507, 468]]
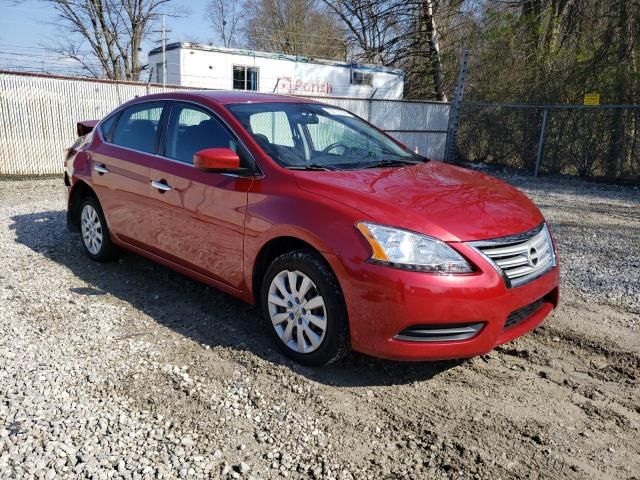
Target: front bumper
[[383, 301]]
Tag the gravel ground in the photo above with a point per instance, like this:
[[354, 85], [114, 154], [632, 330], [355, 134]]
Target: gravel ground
[[129, 370]]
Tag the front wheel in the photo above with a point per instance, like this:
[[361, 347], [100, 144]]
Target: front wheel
[[302, 301]]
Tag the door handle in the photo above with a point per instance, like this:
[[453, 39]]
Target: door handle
[[101, 169], [163, 187]]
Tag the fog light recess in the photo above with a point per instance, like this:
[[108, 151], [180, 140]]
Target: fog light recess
[[439, 333]]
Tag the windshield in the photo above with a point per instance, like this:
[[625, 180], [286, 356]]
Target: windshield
[[319, 137]]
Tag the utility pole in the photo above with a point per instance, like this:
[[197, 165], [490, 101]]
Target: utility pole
[[163, 39], [164, 52]]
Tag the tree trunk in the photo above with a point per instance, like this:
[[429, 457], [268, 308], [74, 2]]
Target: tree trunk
[[615, 159], [434, 50]]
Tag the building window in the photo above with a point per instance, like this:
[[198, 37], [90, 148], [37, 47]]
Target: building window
[[358, 77], [159, 72], [245, 78]]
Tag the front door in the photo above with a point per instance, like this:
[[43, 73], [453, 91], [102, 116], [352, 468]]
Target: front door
[[198, 217]]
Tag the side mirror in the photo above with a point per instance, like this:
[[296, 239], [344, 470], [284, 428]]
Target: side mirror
[[217, 160]]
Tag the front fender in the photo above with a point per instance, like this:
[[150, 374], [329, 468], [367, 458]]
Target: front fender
[[326, 225]]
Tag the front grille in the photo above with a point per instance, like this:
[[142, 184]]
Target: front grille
[[439, 333], [520, 258], [523, 313]]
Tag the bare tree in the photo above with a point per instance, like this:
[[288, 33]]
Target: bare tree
[[113, 30], [297, 27], [225, 16], [373, 28], [401, 33]]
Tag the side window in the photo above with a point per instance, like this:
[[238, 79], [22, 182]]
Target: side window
[[274, 126], [191, 130], [159, 72], [106, 127], [137, 127]]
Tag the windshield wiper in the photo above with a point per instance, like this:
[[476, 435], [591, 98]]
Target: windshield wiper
[[311, 166], [391, 163]]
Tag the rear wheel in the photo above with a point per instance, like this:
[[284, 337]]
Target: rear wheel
[[303, 303], [95, 233]]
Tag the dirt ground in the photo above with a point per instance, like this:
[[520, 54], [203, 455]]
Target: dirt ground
[[134, 371]]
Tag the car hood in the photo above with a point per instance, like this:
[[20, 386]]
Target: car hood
[[437, 199]]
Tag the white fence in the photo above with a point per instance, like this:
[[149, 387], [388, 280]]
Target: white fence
[[38, 116]]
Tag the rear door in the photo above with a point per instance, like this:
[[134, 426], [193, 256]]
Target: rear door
[[198, 217], [120, 169]]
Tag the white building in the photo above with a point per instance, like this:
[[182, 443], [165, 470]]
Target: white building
[[197, 65]]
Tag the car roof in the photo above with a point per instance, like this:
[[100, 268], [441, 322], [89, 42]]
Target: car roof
[[235, 96], [225, 97]]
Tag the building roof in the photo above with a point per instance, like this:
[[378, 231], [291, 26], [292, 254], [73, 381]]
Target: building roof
[[275, 56]]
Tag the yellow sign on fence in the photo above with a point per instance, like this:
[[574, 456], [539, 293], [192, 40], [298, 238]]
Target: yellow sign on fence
[[592, 99]]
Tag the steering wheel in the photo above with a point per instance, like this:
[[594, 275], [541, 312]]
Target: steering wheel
[[334, 145]]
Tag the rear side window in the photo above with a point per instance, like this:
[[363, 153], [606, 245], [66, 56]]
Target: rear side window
[[137, 127], [106, 127], [191, 130]]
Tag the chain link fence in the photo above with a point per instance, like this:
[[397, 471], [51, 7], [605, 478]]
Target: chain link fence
[[601, 142], [38, 115]]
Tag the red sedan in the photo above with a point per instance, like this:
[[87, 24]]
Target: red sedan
[[344, 237]]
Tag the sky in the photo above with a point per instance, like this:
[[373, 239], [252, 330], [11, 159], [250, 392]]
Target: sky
[[26, 32]]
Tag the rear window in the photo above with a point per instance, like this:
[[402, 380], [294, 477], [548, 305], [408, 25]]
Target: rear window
[[137, 127]]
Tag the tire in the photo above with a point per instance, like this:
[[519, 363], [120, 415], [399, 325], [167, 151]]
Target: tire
[[96, 239], [288, 319]]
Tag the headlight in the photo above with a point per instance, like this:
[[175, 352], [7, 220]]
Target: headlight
[[411, 251]]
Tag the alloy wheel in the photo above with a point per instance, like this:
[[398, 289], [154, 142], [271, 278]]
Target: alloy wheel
[[91, 228], [297, 310]]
